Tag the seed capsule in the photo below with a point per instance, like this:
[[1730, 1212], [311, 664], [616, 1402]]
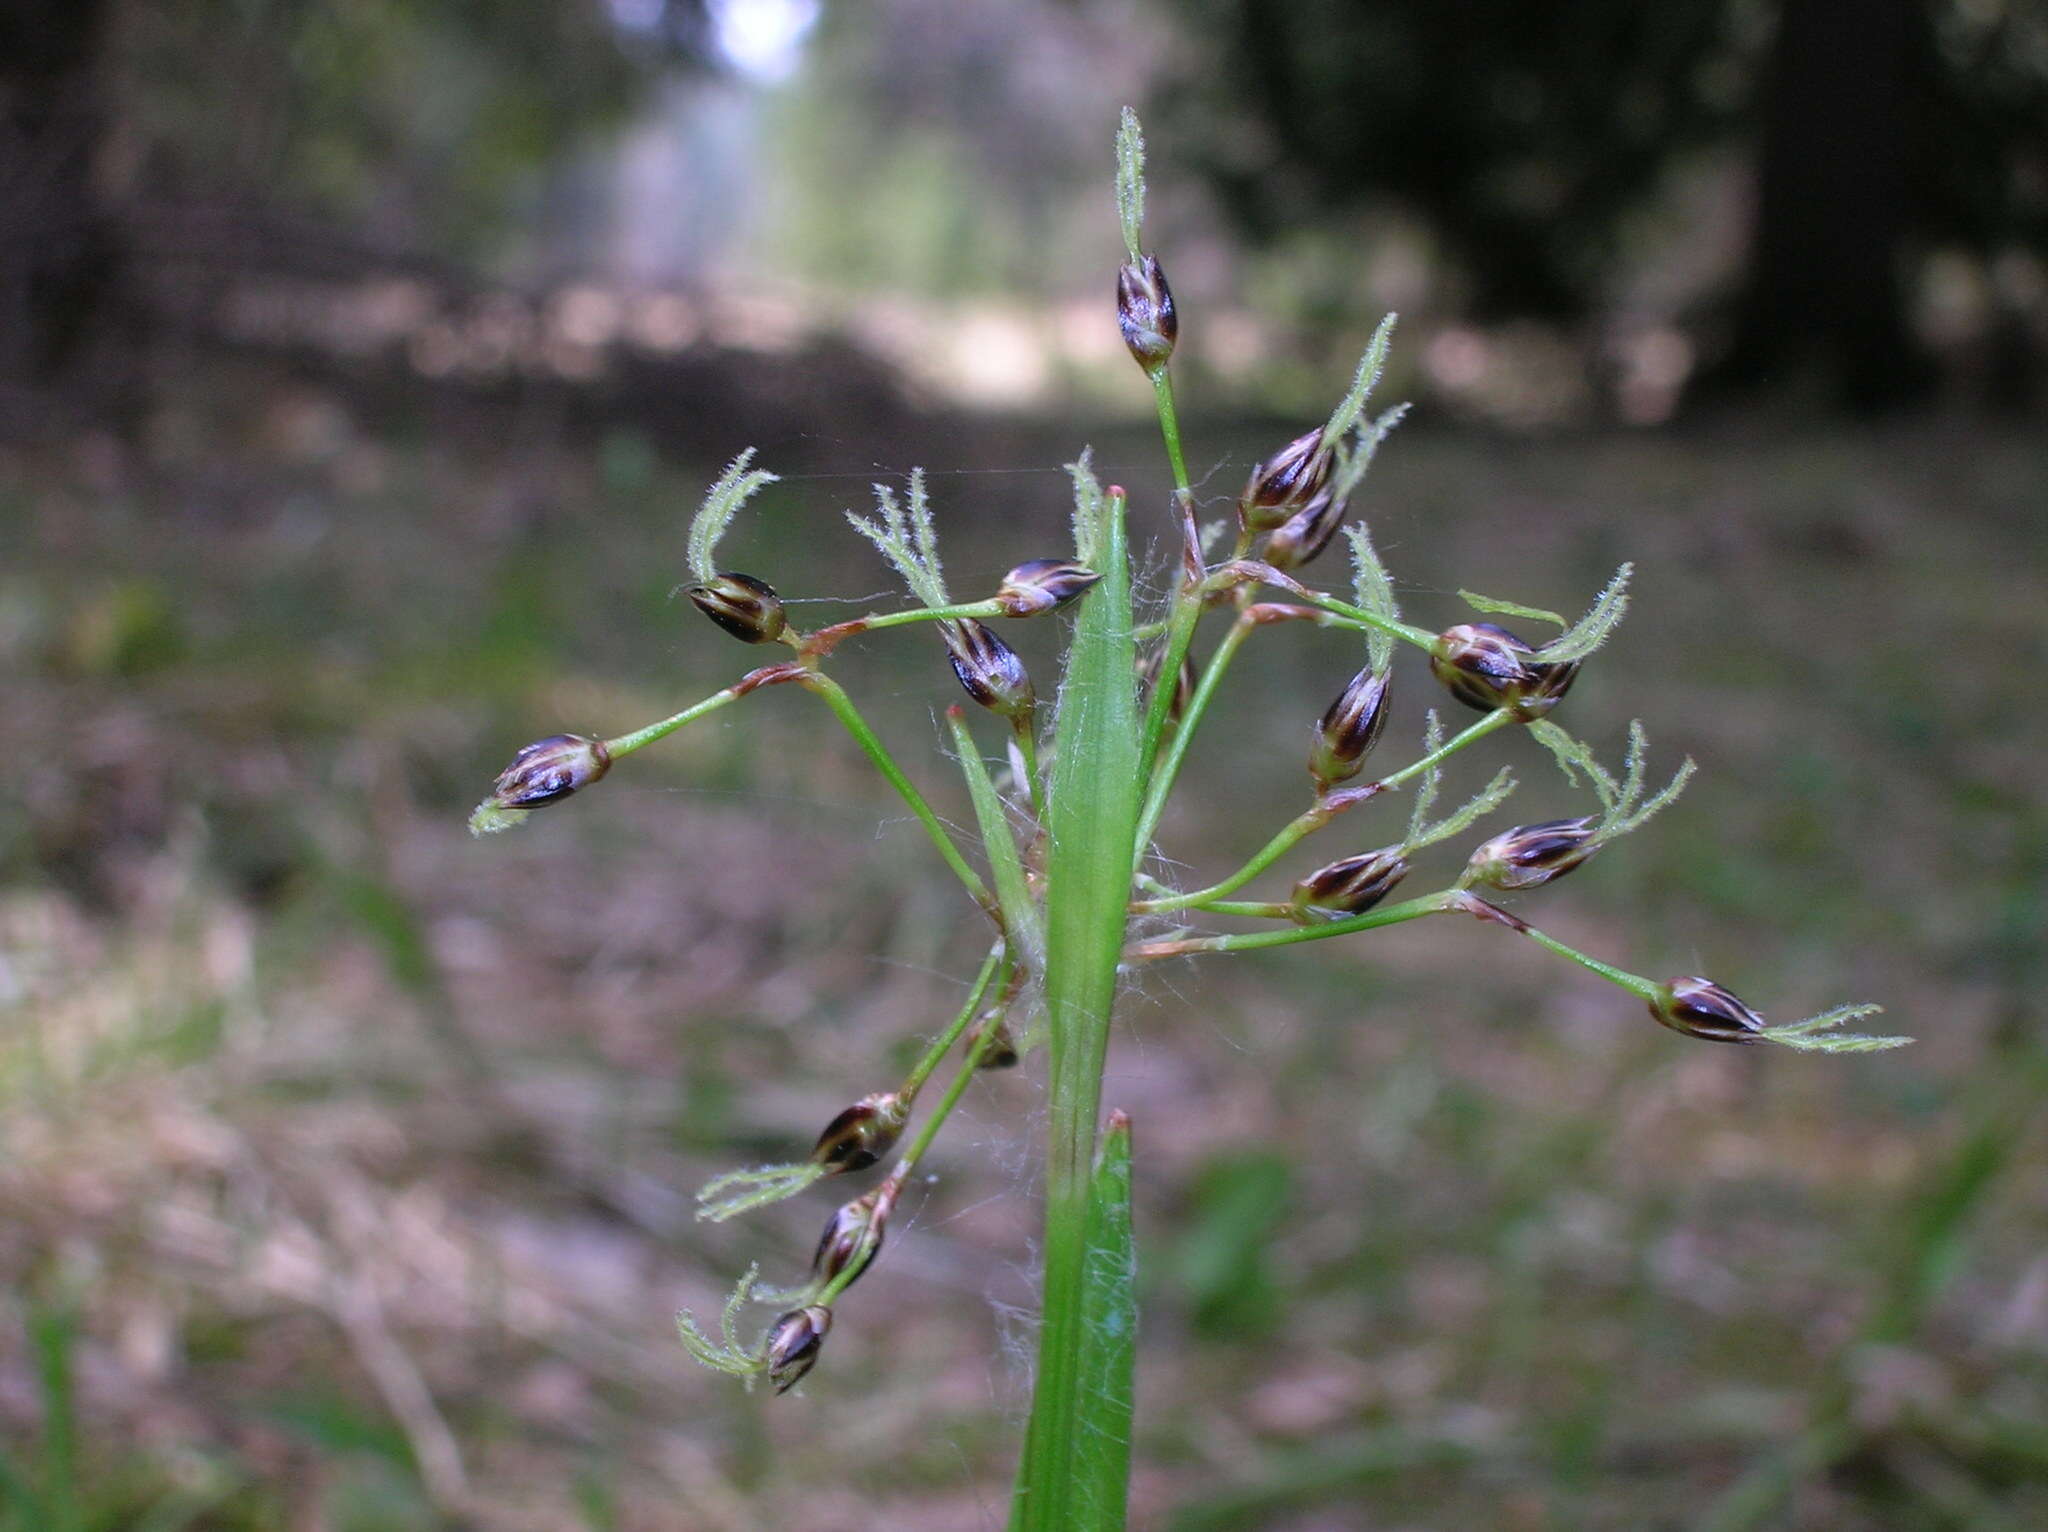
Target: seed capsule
[[1306, 533], [745, 607], [989, 669], [1350, 727], [853, 1235], [1530, 856], [861, 1134], [1285, 483], [550, 769], [1043, 584], [1484, 666], [1144, 312], [1349, 887], [794, 1341], [1701, 1008]]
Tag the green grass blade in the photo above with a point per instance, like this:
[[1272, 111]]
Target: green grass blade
[[1109, 1311], [52, 1334], [1005, 866], [18, 1498], [1092, 825]]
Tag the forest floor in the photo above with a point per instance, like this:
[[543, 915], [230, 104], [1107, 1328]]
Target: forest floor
[[346, 1162]]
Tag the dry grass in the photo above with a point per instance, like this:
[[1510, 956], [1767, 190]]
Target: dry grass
[[359, 1154]]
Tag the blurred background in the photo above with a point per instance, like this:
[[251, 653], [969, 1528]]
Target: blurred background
[[360, 365]]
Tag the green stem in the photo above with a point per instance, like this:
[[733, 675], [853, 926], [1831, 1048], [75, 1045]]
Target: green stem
[[1314, 818], [955, 1089], [1180, 637], [976, 609], [626, 744], [1169, 428], [1187, 596], [835, 697], [1168, 768], [1634, 983], [1251, 909], [999, 845], [1406, 632], [1027, 746], [816, 645], [995, 973], [1092, 827], [1470, 734], [998, 956], [1392, 915], [1102, 1466], [1292, 834]]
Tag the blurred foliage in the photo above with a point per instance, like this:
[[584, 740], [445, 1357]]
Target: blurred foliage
[[1522, 133], [420, 124], [1219, 1259], [1528, 137], [946, 151]]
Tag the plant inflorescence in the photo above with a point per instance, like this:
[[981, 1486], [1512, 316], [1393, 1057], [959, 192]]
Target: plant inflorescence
[[1064, 881]]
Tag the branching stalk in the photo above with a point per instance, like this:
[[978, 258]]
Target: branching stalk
[[1390, 915], [1164, 772], [1316, 817], [835, 697]]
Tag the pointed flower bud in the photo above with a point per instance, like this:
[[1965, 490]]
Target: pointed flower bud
[[861, 1134], [1042, 584], [1485, 666], [1701, 1008], [1285, 483], [1530, 856], [1144, 312], [1350, 727], [745, 607], [1307, 532], [1349, 887], [852, 1238], [1552, 680], [794, 1341], [548, 770], [989, 669]]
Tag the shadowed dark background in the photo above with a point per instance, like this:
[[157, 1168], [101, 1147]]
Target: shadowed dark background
[[360, 366]]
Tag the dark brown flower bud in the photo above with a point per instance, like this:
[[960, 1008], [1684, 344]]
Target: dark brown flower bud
[[1350, 727], [745, 607], [852, 1238], [550, 769], [1352, 886], [794, 1341], [1480, 664], [1486, 667], [1530, 856], [1701, 1008], [989, 669], [1285, 483], [1000, 1051], [1043, 584], [1552, 681], [1306, 533], [1144, 312], [862, 1134]]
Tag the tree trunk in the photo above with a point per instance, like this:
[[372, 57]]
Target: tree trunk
[[1823, 292], [57, 250]]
